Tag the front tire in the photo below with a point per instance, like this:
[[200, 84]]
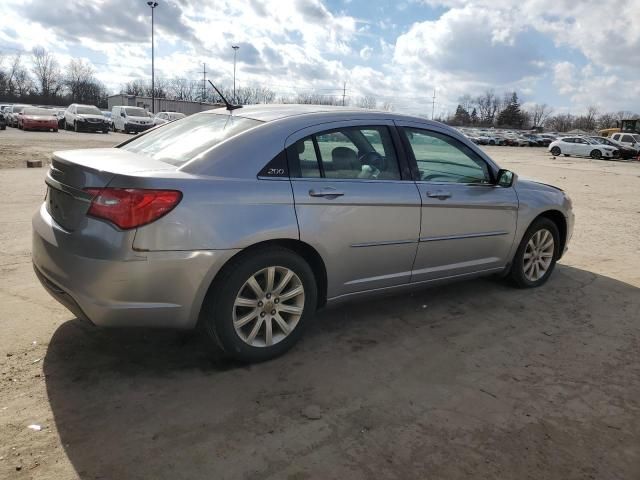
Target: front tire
[[596, 154], [260, 304], [537, 254], [555, 151]]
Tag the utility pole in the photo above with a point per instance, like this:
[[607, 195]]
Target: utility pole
[[153, 6], [344, 92], [235, 53], [433, 103], [204, 82]]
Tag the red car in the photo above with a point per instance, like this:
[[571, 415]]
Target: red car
[[34, 118]]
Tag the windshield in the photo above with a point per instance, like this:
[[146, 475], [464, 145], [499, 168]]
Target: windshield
[[88, 110], [38, 111], [135, 112], [18, 108], [176, 116], [177, 143]]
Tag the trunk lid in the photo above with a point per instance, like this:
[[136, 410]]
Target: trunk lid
[[74, 170]]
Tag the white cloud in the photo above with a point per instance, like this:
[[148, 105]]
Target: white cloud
[[366, 52]]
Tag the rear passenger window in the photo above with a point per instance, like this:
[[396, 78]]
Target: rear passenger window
[[352, 153], [627, 139]]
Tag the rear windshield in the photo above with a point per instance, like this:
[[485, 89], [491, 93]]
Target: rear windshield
[[178, 142], [85, 110], [135, 112], [38, 111]]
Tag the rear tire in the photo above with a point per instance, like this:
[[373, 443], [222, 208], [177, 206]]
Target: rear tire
[[555, 151], [523, 273], [224, 307]]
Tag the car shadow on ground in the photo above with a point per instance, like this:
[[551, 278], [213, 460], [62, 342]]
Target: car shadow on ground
[[470, 377]]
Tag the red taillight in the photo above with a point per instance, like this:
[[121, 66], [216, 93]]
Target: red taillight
[[131, 207]]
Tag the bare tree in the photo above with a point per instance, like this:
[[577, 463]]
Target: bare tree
[[80, 81], [387, 107], [607, 120], [539, 114], [367, 101], [561, 123], [487, 107], [47, 73]]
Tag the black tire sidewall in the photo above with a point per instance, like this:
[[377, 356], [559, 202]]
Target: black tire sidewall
[[517, 268], [217, 318]]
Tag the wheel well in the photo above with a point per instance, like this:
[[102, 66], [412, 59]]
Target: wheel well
[[303, 249], [558, 218]]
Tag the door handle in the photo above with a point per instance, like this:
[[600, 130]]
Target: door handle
[[439, 194], [328, 192]]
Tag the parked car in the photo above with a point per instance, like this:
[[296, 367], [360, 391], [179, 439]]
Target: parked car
[[59, 112], [35, 118], [625, 152], [628, 139], [581, 146], [130, 119], [166, 117], [245, 223], [3, 120], [14, 113], [87, 118], [107, 115]]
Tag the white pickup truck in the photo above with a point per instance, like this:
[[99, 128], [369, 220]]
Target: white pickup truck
[[628, 139]]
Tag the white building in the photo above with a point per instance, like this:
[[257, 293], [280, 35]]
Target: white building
[[161, 104]]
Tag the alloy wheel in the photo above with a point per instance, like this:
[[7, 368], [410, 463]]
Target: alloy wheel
[[268, 306], [538, 255]]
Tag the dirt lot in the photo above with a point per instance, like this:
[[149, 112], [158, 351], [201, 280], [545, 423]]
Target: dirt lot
[[475, 380], [16, 146]]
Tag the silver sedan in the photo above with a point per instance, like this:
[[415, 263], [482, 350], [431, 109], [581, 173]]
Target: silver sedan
[[245, 222]]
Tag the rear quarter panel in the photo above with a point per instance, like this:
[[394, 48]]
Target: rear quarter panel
[[218, 214]]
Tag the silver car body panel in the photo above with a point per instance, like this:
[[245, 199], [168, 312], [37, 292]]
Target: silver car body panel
[[379, 235]]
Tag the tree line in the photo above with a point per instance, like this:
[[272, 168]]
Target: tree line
[[196, 91], [490, 110], [40, 79]]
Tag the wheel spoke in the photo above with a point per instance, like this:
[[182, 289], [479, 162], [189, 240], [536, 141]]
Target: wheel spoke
[[268, 337], [245, 302], [255, 286], [271, 276], [246, 319], [254, 331], [547, 245], [284, 281], [527, 256], [282, 324], [546, 255], [531, 246], [290, 309], [294, 292]]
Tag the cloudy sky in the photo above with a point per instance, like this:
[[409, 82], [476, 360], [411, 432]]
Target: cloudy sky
[[566, 53]]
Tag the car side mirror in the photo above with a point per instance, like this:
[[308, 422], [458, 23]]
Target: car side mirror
[[122, 114], [505, 178]]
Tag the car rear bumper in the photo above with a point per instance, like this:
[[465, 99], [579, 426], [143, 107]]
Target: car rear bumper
[[147, 289]]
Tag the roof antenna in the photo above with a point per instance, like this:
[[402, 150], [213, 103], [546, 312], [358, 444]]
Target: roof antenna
[[230, 106]]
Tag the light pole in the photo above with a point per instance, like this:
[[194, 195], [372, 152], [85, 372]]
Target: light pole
[[235, 53], [153, 6]]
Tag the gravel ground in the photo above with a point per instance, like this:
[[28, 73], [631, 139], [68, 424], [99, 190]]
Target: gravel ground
[[17, 146], [475, 380]]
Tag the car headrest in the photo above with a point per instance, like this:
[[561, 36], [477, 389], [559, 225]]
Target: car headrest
[[344, 158]]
